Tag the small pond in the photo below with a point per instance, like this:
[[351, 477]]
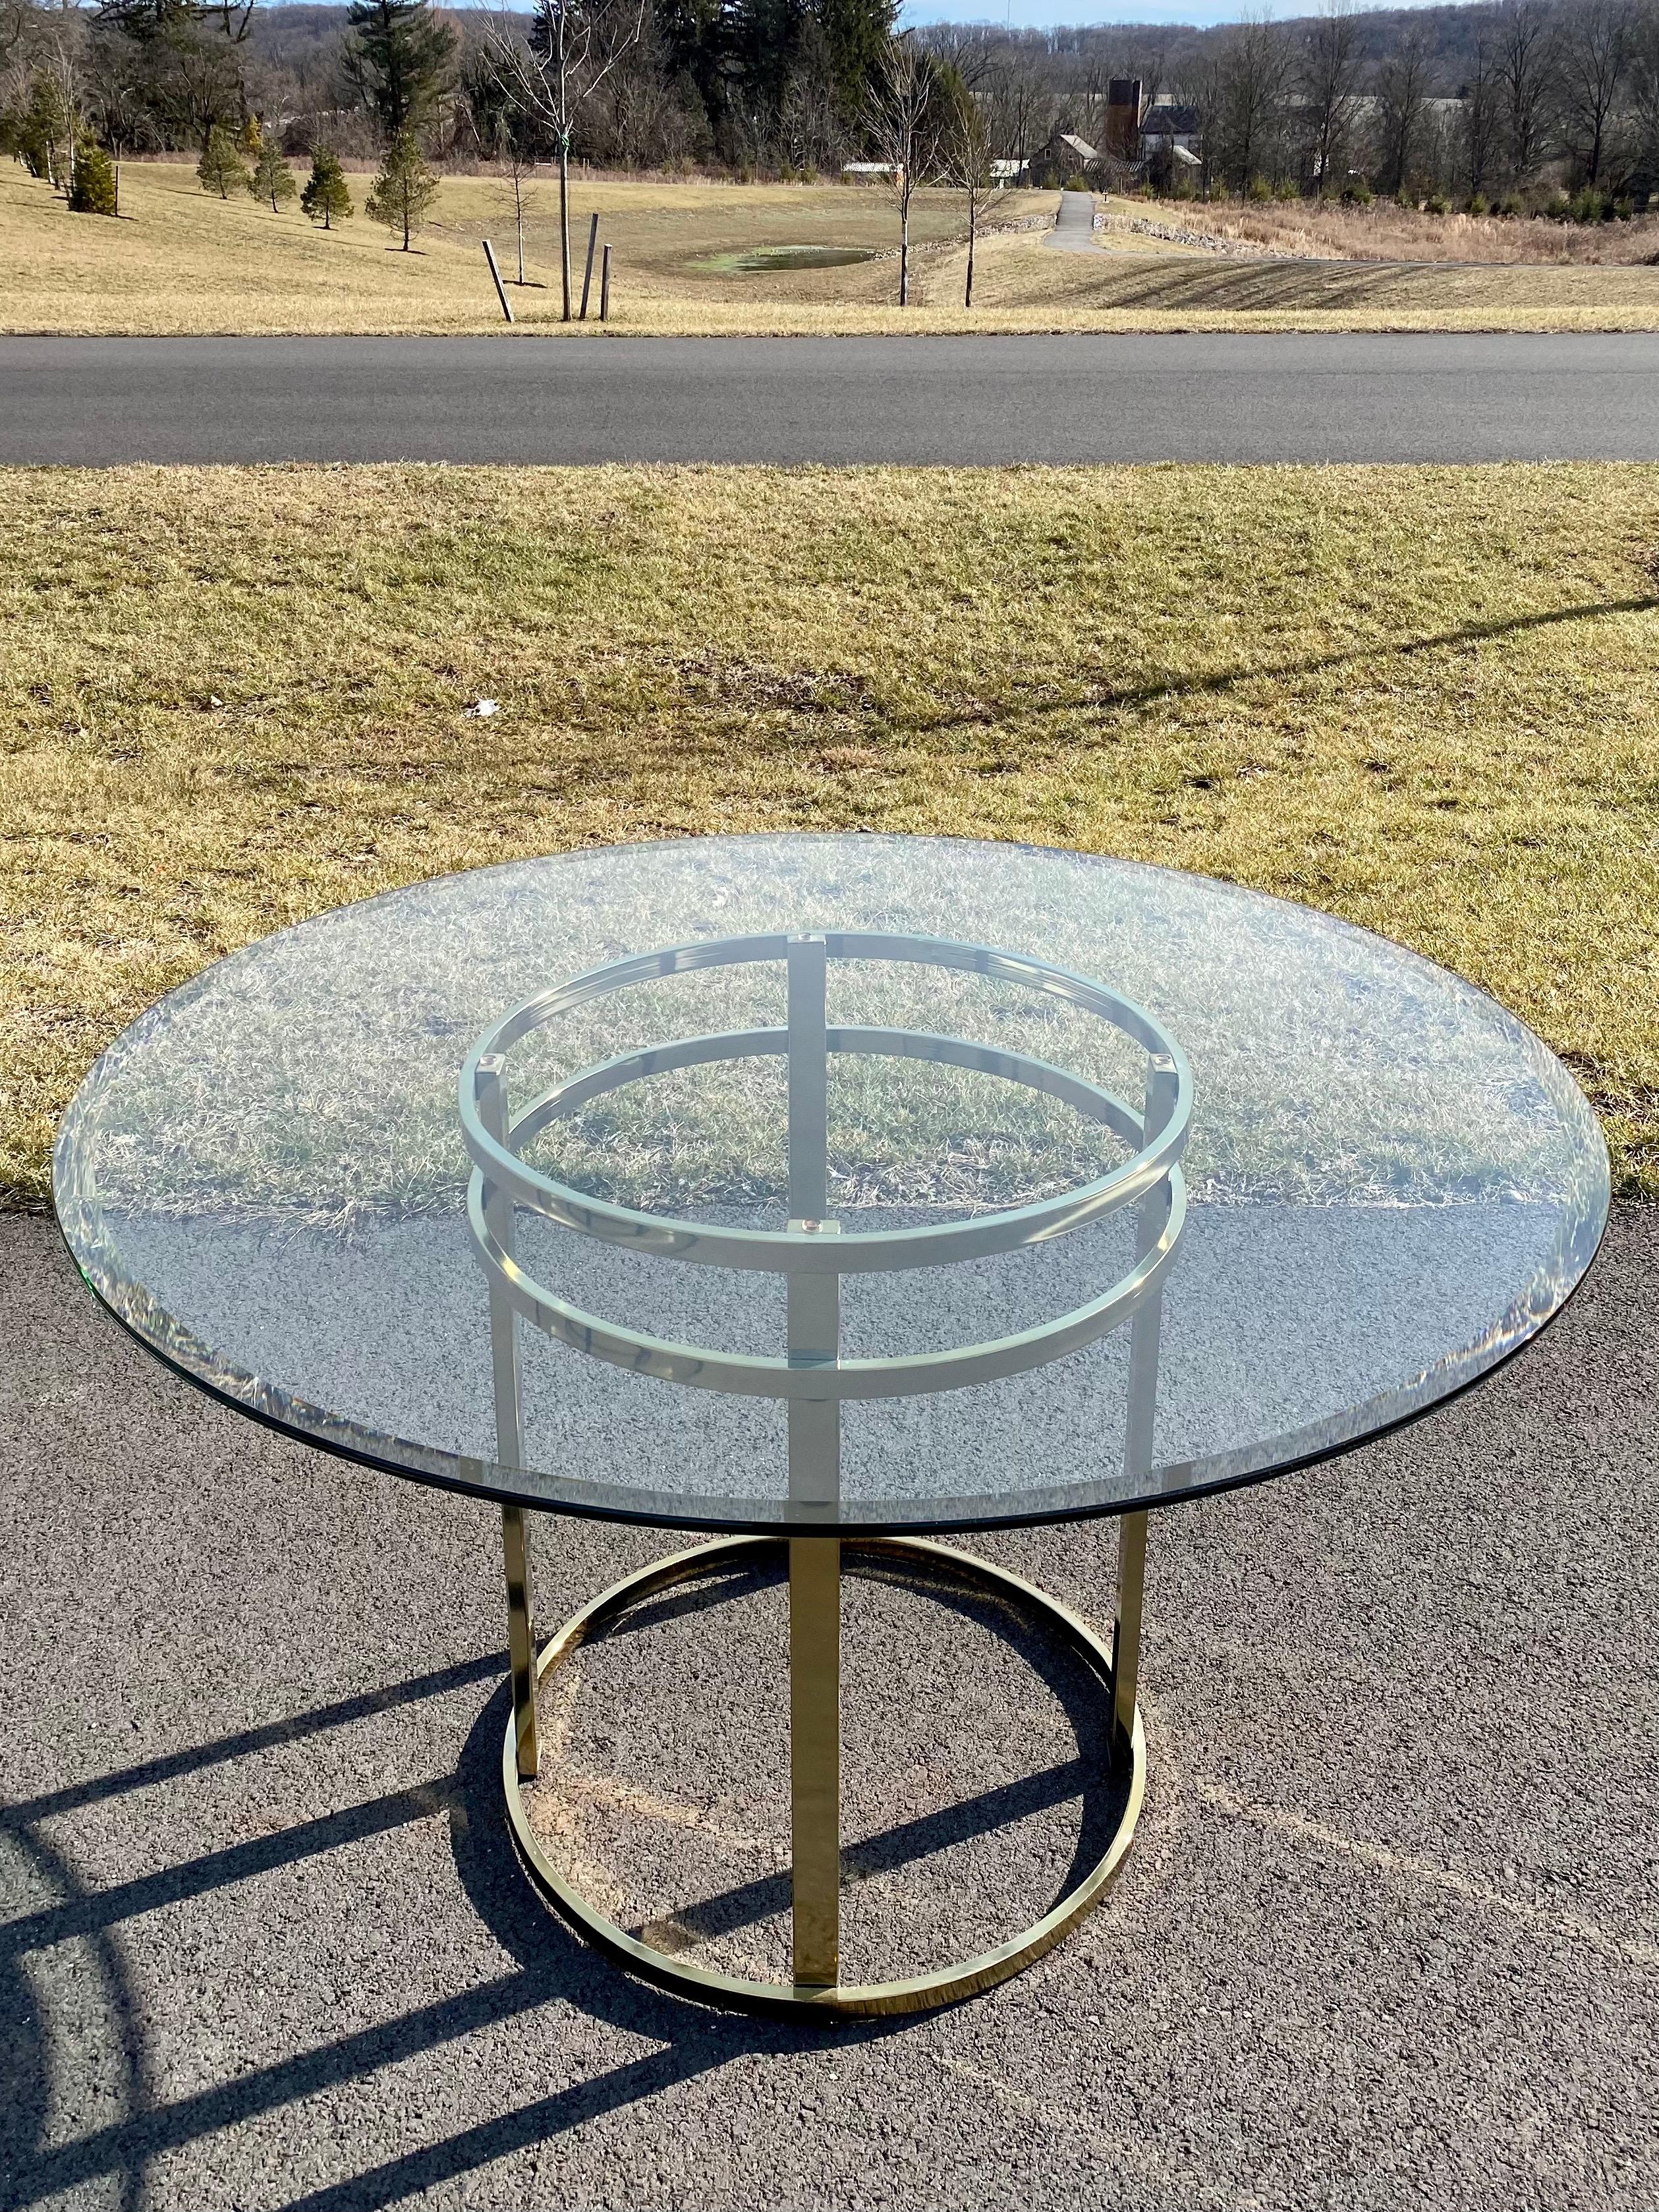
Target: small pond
[[784, 257]]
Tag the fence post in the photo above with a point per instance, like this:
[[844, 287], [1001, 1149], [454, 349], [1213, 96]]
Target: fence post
[[605, 287], [500, 288], [587, 273]]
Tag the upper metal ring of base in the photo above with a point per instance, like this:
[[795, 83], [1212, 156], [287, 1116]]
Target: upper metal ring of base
[[919, 1993]]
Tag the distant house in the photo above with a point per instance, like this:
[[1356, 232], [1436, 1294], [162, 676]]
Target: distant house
[[1170, 128], [1170, 137], [1061, 154]]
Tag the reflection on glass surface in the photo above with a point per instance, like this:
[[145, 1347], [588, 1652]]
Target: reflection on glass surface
[[1391, 1184]]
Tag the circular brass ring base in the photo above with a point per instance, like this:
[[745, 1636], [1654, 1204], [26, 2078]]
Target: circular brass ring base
[[922, 1992]]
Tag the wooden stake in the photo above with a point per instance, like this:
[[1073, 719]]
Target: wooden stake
[[605, 287], [500, 288], [587, 273]]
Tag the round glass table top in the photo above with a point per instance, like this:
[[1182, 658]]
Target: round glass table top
[[1370, 1186]]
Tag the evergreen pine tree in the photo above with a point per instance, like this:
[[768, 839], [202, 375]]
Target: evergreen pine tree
[[93, 192], [400, 59], [857, 32], [326, 198], [272, 178], [43, 134], [221, 165], [698, 35], [404, 189]]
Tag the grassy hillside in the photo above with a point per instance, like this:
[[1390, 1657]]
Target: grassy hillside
[[182, 260], [179, 260], [1428, 700]]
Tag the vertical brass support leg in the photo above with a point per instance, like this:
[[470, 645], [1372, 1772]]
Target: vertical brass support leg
[[520, 1639], [491, 1096], [815, 1756], [1126, 1635], [814, 1309], [1163, 1089]]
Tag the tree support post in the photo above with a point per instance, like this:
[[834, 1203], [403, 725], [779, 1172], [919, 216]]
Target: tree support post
[[587, 273], [500, 288]]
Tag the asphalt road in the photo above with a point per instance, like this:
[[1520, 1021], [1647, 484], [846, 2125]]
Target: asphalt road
[[1291, 397], [1389, 1938]]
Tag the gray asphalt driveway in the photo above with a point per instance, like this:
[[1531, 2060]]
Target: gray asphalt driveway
[[1284, 399], [1389, 1936], [1074, 225]]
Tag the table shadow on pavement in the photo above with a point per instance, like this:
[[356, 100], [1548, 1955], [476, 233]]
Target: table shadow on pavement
[[1384, 1940], [955, 1833], [552, 1965]]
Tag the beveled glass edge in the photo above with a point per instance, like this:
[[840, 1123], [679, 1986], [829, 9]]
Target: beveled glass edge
[[1359, 1424], [1171, 1483]]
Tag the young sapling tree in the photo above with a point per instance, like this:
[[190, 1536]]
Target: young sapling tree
[[404, 189], [572, 47], [272, 178], [902, 121], [518, 168], [326, 198], [969, 164], [222, 166]]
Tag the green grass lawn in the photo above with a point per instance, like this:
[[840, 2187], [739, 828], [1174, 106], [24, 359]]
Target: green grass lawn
[[1423, 699]]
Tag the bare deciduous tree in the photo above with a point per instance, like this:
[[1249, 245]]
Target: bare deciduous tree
[[571, 51], [1403, 82], [64, 49], [1020, 110], [1201, 89], [1254, 70], [504, 139], [970, 152], [1527, 68], [115, 97], [901, 121], [1328, 73], [1482, 116], [518, 168], [1595, 52], [1642, 98]]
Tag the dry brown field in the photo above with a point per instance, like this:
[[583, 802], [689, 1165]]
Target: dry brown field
[[181, 262], [1386, 232]]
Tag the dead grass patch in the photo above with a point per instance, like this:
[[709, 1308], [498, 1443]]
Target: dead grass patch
[[1386, 232]]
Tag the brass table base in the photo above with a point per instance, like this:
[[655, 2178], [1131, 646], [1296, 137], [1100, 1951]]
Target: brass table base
[[922, 1992]]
